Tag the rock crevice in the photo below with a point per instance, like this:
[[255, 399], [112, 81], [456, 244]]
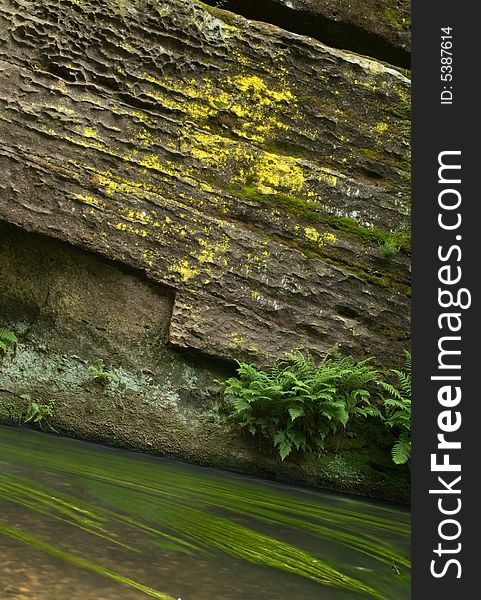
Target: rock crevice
[[376, 28]]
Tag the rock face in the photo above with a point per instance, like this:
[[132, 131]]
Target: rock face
[[70, 308], [181, 185], [251, 172], [376, 28]]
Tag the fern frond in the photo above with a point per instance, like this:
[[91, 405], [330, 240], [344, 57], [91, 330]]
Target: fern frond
[[7, 340], [401, 451], [388, 387]]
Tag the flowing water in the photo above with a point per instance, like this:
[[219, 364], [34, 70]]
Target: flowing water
[[81, 521]]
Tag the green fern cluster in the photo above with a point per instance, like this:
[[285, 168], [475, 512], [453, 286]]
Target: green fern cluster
[[36, 411], [7, 340], [297, 404], [398, 411]]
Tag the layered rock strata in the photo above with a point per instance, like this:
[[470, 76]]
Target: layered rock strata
[[256, 174]]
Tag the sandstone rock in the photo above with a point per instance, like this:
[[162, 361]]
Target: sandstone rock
[[376, 28], [251, 171]]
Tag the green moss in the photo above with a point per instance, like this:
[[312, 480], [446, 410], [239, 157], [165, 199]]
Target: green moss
[[396, 20], [286, 149], [402, 109], [389, 247], [363, 459], [10, 411], [369, 235], [375, 155], [396, 334], [310, 212], [292, 205], [380, 157], [339, 470], [365, 273], [216, 11]]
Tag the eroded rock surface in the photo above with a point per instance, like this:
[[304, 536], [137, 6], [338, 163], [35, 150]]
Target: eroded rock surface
[[376, 28], [252, 172]]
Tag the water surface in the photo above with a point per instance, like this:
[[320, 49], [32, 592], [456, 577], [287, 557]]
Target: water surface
[[81, 521]]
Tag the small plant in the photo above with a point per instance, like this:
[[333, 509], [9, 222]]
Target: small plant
[[398, 412], [338, 469], [7, 340], [101, 374], [36, 412], [389, 246], [297, 404]]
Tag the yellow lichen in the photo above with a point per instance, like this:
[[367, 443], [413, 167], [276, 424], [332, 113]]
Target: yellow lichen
[[214, 251], [235, 340], [320, 239], [311, 234], [381, 127], [133, 230], [87, 199], [151, 161], [110, 186], [133, 215], [185, 270], [329, 237], [262, 93], [89, 132], [209, 148], [144, 137], [328, 177], [150, 256], [274, 172], [80, 142]]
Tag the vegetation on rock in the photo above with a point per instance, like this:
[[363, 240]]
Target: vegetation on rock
[[101, 374], [7, 340], [255, 182], [398, 411], [298, 404], [206, 150], [36, 411]]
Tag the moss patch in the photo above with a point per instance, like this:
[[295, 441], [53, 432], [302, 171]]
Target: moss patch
[[312, 212]]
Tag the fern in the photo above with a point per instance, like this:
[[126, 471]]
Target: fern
[[397, 408], [401, 451], [36, 412], [297, 404], [7, 340], [295, 412]]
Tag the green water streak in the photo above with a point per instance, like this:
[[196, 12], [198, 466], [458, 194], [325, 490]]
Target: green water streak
[[322, 520], [176, 510], [215, 532], [78, 561]]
